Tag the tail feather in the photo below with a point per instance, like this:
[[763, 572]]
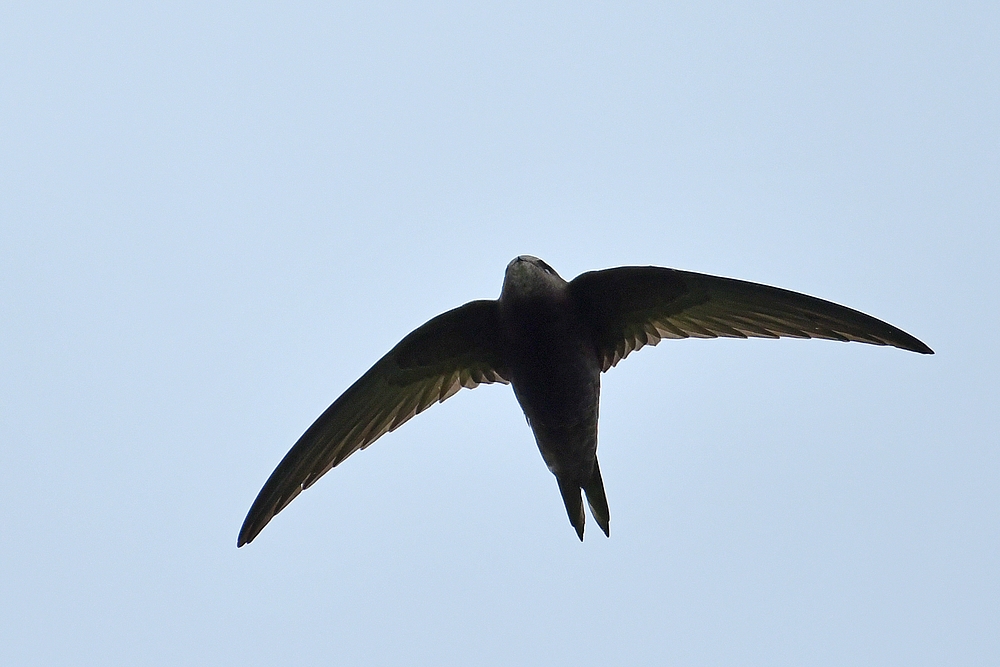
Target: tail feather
[[597, 500], [574, 504], [594, 488]]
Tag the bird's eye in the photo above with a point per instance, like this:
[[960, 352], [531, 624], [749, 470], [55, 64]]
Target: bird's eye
[[545, 267]]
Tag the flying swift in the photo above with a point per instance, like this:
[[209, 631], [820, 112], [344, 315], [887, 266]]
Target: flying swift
[[550, 340]]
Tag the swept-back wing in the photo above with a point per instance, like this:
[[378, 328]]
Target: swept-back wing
[[632, 306], [456, 349]]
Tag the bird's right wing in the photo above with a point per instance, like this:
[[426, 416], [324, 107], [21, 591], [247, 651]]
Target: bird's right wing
[[459, 348], [632, 306]]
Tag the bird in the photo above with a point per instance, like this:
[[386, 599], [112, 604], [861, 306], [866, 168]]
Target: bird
[[551, 340]]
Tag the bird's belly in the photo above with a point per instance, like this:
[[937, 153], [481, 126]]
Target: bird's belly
[[561, 402]]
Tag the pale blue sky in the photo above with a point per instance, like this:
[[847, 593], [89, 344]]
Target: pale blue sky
[[214, 217]]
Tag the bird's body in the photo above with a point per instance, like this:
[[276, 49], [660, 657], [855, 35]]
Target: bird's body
[[551, 340], [556, 376]]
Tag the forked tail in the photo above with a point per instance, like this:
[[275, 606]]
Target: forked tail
[[594, 487]]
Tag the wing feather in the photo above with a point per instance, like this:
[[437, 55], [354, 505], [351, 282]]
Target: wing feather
[[631, 307], [457, 349]]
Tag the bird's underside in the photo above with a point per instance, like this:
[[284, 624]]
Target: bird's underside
[[552, 339]]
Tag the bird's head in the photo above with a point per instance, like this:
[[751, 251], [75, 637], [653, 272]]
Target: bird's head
[[528, 277]]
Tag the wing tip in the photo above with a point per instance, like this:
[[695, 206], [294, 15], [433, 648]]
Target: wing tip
[[257, 519], [912, 344], [248, 532]]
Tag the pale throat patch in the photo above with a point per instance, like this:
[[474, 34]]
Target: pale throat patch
[[524, 279]]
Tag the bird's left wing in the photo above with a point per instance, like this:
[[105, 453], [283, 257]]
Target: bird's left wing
[[459, 348], [632, 306]]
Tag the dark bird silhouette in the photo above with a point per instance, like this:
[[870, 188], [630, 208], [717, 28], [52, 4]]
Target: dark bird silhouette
[[551, 340]]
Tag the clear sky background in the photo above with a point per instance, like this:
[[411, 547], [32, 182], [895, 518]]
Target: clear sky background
[[215, 216]]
